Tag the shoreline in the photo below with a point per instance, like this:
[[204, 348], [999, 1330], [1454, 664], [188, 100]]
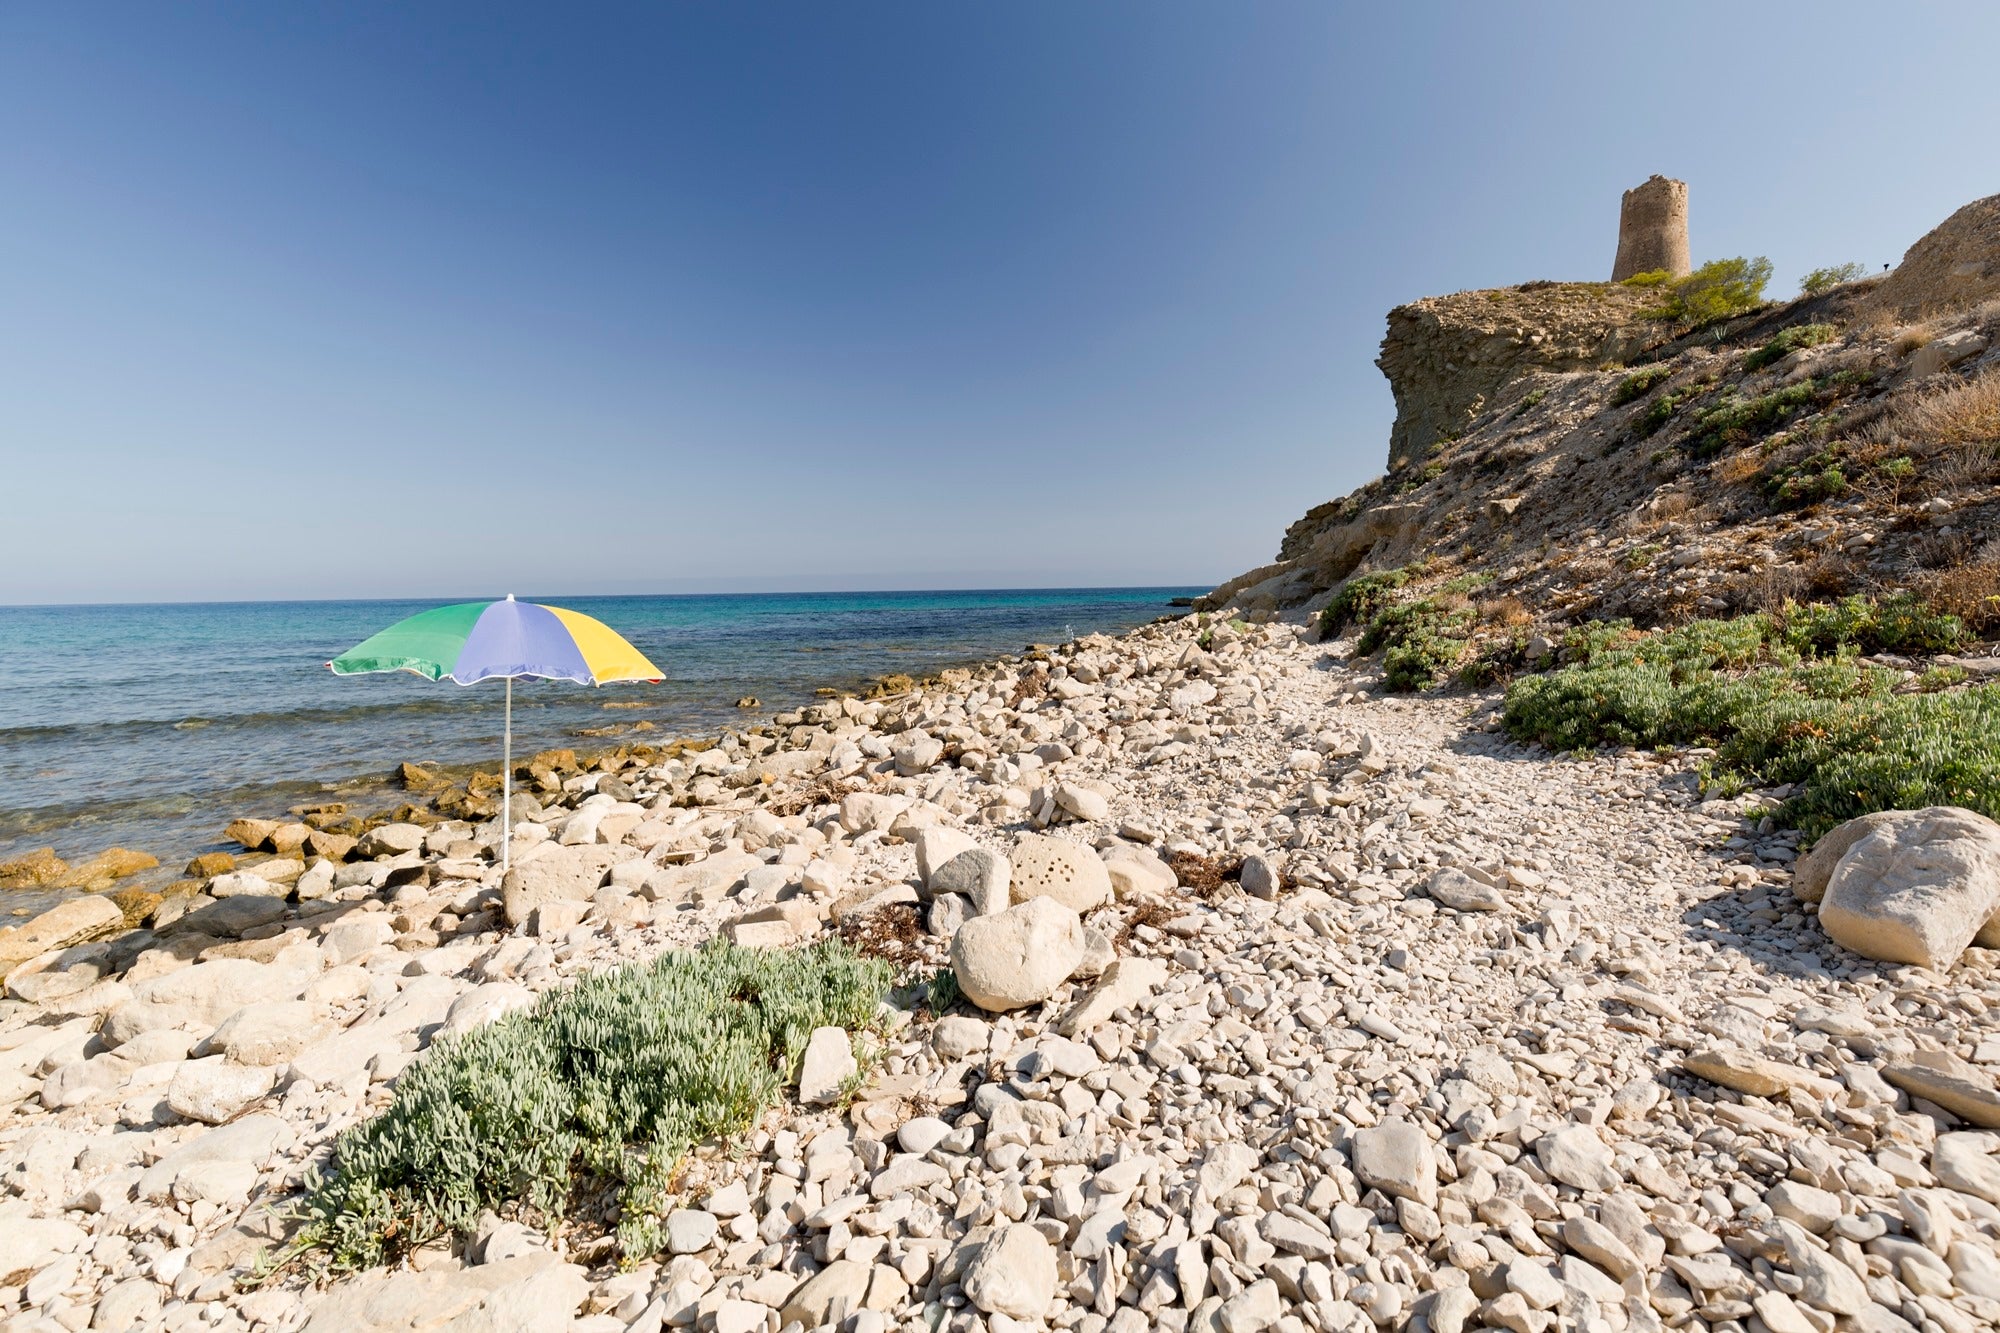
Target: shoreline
[[380, 792]]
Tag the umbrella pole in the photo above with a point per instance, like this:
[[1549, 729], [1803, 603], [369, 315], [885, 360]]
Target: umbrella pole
[[507, 780]]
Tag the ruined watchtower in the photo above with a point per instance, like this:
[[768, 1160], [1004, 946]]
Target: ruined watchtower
[[1653, 229]]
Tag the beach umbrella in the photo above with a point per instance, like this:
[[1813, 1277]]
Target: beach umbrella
[[475, 641]]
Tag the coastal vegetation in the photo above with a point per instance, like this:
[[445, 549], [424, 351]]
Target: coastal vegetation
[[1783, 698], [600, 1088]]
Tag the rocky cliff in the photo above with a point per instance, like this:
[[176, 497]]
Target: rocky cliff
[[1448, 357], [1594, 462]]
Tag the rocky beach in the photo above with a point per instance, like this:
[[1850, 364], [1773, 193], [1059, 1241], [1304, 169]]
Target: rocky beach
[[1306, 1007], [1559, 894]]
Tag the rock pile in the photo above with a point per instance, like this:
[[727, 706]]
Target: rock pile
[[1469, 1037]]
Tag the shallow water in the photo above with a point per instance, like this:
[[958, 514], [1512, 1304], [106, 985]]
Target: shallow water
[[152, 726]]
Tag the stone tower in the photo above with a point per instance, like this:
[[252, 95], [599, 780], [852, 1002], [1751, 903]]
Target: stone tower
[[1653, 229]]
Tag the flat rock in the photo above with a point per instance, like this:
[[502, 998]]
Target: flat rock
[[267, 1034], [827, 1065], [69, 923], [1462, 893], [1753, 1074], [1125, 983], [1575, 1155], [557, 873], [1958, 1087], [1014, 1273], [250, 1139], [828, 1296], [534, 1293], [212, 1090], [1396, 1157]]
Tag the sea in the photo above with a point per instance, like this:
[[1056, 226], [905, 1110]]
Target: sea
[[151, 727]]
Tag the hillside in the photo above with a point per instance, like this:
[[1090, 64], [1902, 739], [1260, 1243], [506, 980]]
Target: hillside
[[1593, 462]]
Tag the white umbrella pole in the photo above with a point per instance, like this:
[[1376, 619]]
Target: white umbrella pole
[[507, 780]]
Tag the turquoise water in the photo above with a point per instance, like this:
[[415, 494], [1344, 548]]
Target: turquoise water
[[153, 726]]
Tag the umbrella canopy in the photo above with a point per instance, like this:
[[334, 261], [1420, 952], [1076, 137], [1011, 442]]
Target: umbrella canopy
[[475, 641]]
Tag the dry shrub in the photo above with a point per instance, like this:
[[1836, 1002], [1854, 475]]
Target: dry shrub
[[1591, 568], [1970, 592], [1770, 588], [1910, 339], [1832, 576], [1504, 611], [1740, 468], [1963, 468], [1201, 876], [1941, 550], [893, 933], [1964, 413]]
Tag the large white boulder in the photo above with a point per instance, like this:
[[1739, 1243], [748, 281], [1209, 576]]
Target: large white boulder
[[1017, 957], [1917, 888]]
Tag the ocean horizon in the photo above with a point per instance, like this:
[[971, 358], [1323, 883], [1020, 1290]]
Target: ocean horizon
[[152, 725]]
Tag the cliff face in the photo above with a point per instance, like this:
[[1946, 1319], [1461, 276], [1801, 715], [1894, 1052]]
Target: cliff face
[[1448, 357], [1556, 445]]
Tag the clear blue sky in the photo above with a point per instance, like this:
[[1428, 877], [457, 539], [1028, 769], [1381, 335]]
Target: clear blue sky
[[305, 300]]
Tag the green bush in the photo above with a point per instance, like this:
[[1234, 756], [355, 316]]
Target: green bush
[[1421, 641], [1784, 699], [605, 1084], [1737, 420], [1897, 623], [1663, 408], [1657, 277], [1639, 383], [1360, 599], [1823, 280], [1718, 290], [1789, 341]]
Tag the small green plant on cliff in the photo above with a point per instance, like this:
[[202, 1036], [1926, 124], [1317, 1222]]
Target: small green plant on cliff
[[602, 1086], [1736, 420], [1823, 280], [1718, 290], [1787, 342], [1784, 699], [1640, 383]]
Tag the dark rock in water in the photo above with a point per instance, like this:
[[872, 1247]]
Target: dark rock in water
[[37, 870], [560, 761], [415, 777], [137, 905], [749, 701], [107, 867]]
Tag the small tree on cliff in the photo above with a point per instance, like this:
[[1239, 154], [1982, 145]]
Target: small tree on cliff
[[1717, 290]]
